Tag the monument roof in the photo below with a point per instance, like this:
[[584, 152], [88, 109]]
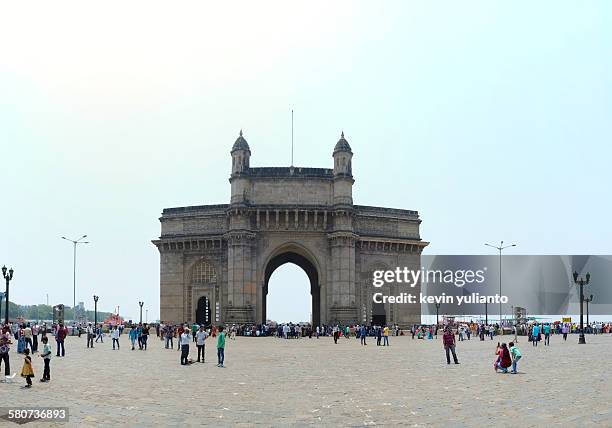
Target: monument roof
[[342, 145], [240, 144]]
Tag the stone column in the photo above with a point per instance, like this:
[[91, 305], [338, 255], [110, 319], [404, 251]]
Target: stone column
[[241, 281], [343, 297]]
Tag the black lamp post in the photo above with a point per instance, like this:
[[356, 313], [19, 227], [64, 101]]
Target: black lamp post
[[587, 301], [437, 309], [8, 277], [581, 282], [96, 310], [141, 304], [486, 313]]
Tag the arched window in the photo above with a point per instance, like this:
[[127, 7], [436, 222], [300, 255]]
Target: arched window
[[203, 272]]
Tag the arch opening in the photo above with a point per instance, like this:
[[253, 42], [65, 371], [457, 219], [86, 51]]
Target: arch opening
[[311, 272]]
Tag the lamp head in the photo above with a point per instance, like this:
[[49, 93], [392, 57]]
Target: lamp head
[[4, 271], [575, 274], [588, 277], [11, 273]]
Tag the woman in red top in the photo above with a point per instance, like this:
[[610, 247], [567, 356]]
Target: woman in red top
[[504, 359]]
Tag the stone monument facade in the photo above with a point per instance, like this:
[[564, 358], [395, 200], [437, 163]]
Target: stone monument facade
[[216, 260]]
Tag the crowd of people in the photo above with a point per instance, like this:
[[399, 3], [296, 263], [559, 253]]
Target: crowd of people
[[32, 338]]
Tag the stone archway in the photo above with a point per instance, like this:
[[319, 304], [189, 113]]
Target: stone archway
[[309, 267]]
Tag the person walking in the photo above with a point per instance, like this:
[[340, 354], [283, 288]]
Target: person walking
[[46, 356], [221, 347], [90, 335], [362, 334], [386, 336], [27, 335], [546, 329], [115, 337], [35, 330], [185, 339], [144, 336], [194, 329], [564, 330], [515, 354], [535, 334], [133, 335], [448, 340], [5, 342], [99, 333], [201, 336], [60, 336]]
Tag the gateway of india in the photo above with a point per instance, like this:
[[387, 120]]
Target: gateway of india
[[216, 260]]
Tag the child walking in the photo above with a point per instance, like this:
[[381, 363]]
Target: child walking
[[515, 353], [26, 370], [46, 354]]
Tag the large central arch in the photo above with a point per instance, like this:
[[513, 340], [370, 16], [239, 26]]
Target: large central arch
[[290, 256]]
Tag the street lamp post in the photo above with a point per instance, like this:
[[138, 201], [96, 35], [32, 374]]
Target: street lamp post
[[141, 304], [8, 276], [500, 248], [581, 282], [96, 310], [147, 315], [437, 309], [74, 243], [587, 301]]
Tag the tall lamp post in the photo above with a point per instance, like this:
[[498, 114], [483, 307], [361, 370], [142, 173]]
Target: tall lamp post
[[141, 305], [587, 301], [75, 243], [500, 248], [96, 310], [437, 310], [8, 276], [581, 282]]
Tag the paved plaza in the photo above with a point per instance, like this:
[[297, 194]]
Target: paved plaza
[[275, 382]]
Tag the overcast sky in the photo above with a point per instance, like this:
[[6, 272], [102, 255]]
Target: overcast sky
[[492, 120]]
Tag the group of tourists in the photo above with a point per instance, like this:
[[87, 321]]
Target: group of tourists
[[26, 336], [194, 333], [506, 356]]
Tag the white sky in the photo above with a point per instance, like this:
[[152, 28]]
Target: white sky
[[491, 119]]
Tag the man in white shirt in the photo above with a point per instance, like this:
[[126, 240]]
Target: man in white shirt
[[185, 340], [201, 336], [90, 335], [115, 337]]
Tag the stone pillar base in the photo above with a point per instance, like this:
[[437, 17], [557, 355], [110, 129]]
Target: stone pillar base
[[239, 315], [343, 315]]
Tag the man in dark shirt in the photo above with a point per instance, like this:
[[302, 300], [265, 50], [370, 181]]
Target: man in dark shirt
[[449, 345], [61, 334]]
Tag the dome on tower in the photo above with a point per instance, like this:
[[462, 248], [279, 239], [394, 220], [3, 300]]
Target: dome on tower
[[240, 144], [342, 145]]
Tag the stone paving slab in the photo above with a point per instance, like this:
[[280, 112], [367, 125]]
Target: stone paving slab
[[305, 382]]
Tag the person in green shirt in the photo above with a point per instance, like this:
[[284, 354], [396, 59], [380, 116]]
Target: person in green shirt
[[220, 347], [194, 329], [515, 354], [546, 329]]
